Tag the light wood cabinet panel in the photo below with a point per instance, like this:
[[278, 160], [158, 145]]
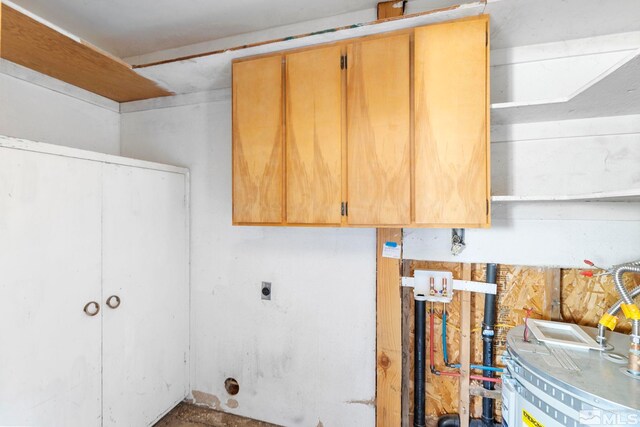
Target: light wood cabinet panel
[[378, 131], [451, 116], [314, 136], [258, 194]]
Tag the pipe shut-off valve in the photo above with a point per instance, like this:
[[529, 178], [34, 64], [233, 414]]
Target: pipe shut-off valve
[[438, 286]]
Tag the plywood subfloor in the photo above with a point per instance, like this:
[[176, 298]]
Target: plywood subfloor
[[188, 415]]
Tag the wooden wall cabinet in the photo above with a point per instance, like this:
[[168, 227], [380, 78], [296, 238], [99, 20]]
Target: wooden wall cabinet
[[384, 131]]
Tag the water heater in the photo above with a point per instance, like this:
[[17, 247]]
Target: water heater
[[547, 385]]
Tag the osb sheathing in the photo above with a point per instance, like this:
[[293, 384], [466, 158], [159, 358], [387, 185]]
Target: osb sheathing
[[583, 301]]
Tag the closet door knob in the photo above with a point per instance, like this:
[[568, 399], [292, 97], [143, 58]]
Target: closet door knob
[[113, 301], [91, 308]]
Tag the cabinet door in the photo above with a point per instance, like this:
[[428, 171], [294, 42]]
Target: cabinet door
[[49, 269], [145, 263], [452, 158], [258, 194], [378, 129], [314, 136]]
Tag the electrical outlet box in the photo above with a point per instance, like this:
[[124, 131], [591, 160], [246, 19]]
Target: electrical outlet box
[[433, 286], [265, 291]]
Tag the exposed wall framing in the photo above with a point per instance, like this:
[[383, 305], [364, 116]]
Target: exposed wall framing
[[548, 293]]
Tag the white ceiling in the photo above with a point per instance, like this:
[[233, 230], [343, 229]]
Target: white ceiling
[[129, 28], [133, 27], [526, 22]]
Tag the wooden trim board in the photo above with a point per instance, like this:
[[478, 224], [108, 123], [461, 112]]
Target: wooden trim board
[[552, 294], [32, 44], [388, 333], [75, 153], [465, 350]]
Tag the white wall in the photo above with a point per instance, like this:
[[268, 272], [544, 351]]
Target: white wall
[[305, 358], [553, 158], [308, 355], [39, 108]]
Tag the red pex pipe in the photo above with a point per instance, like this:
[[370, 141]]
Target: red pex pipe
[[480, 378], [431, 329]]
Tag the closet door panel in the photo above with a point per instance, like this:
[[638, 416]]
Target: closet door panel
[[49, 269], [145, 259]]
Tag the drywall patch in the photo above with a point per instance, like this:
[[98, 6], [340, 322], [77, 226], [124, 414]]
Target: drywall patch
[[202, 398], [370, 402], [232, 403]]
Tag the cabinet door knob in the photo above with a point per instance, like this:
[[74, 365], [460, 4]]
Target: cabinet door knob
[[91, 308], [113, 301]]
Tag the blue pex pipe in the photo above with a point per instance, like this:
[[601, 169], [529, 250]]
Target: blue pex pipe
[[480, 367], [444, 338]]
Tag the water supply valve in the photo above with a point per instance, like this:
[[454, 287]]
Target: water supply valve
[[438, 286], [433, 286]]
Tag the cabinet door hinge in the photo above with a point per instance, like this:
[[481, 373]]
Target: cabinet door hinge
[[343, 62], [487, 207], [486, 38], [344, 208]]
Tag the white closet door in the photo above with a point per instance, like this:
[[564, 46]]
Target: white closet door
[[145, 264], [49, 269]]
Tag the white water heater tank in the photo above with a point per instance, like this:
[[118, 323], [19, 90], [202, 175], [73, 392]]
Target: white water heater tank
[[548, 385]]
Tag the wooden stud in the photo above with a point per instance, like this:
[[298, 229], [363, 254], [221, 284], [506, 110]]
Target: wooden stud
[[552, 278], [465, 350], [388, 333], [32, 44], [391, 9], [476, 390]]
